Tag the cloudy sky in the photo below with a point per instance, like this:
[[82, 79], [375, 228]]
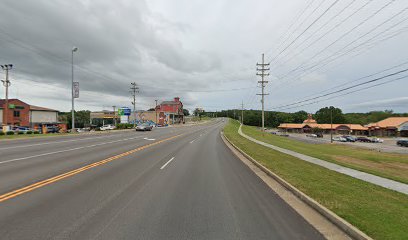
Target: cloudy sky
[[206, 52]]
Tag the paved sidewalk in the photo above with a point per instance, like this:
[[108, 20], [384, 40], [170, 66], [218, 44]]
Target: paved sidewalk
[[383, 182]]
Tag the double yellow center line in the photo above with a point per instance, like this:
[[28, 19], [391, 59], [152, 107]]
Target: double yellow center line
[[45, 182]]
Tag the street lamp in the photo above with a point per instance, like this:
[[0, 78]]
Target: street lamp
[[74, 49], [6, 84]]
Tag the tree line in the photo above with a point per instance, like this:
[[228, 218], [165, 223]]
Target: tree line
[[323, 115]]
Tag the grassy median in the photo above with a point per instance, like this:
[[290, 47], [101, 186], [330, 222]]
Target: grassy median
[[389, 165], [379, 212]]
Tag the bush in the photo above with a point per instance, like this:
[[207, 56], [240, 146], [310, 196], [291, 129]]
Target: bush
[[29, 132], [124, 125], [9, 133], [20, 133], [1, 133], [36, 132]]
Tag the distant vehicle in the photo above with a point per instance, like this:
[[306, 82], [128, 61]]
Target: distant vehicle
[[403, 143], [144, 127], [319, 135], [363, 139], [376, 140], [339, 139], [311, 135], [52, 129], [20, 129], [107, 127], [350, 138], [274, 133]]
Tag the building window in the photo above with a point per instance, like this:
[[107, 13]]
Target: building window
[[16, 114]]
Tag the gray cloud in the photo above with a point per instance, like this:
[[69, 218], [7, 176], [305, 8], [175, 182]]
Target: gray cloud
[[172, 47]]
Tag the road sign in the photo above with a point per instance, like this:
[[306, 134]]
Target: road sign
[[124, 111]]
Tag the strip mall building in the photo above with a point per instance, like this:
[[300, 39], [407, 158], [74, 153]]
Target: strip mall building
[[390, 127], [309, 124]]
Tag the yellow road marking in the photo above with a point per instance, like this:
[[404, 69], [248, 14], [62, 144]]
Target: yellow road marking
[[45, 182]]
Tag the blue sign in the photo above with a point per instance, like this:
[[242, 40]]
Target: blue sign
[[124, 111]]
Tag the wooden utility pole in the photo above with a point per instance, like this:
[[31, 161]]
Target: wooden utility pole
[[133, 90], [6, 84], [114, 115], [155, 110], [262, 71]]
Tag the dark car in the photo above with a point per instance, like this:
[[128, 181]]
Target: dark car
[[52, 129], [319, 135], [402, 143], [363, 139], [349, 138]]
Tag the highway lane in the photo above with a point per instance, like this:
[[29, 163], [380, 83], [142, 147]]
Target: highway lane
[[188, 187]]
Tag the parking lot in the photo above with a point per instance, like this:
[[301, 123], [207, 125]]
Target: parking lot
[[389, 144]]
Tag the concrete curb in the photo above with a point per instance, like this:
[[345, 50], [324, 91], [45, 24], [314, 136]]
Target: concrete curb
[[349, 229]]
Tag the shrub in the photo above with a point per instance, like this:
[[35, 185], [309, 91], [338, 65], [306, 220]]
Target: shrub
[[29, 132], [1, 133], [36, 132], [9, 133], [20, 133]]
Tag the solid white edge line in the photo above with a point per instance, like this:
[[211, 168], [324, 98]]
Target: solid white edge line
[[171, 159]]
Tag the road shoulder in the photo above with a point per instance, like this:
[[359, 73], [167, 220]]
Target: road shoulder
[[326, 222]]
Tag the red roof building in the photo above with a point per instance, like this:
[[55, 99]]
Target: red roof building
[[170, 112]]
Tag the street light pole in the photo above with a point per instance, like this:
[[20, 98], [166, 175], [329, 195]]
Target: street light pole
[[331, 125], [74, 49], [6, 84]]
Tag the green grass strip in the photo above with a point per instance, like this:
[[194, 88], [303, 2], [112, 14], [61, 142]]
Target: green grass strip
[[381, 213]]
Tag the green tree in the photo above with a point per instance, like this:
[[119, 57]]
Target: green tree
[[186, 112], [323, 115]]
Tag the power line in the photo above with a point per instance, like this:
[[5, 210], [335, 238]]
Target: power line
[[307, 28], [344, 89]]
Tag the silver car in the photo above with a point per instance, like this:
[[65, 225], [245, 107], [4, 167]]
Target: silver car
[[144, 127]]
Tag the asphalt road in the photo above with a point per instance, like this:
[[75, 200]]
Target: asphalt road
[[171, 183]]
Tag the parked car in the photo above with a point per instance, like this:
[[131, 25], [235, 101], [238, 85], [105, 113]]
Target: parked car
[[20, 129], [311, 135], [363, 139], [376, 140], [339, 139], [144, 127], [403, 143], [107, 127], [319, 135], [52, 129], [350, 138]]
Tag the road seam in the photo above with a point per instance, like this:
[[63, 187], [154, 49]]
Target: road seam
[[48, 181], [339, 222]]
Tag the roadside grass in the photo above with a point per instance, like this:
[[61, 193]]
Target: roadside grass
[[389, 165], [379, 212]]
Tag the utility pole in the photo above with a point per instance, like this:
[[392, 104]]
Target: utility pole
[[155, 110], [114, 115], [262, 71], [6, 84], [133, 90], [331, 124], [242, 113], [74, 49]]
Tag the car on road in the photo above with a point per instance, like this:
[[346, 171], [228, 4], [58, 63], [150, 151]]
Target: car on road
[[339, 139], [402, 142], [21, 129], [107, 127], [144, 127], [363, 139]]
